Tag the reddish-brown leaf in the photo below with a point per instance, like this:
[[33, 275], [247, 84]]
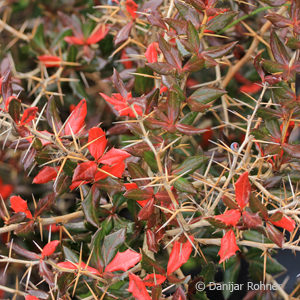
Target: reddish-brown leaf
[[114, 156], [137, 288], [242, 190], [147, 211], [24, 252], [50, 248], [252, 220], [179, 255], [45, 175], [230, 217], [28, 115], [46, 273], [20, 205], [228, 246], [151, 240], [154, 279], [123, 261], [123, 34], [97, 147], [76, 120], [286, 223], [274, 235], [98, 35]]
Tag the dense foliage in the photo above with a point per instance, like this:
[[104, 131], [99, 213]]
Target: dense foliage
[[147, 146]]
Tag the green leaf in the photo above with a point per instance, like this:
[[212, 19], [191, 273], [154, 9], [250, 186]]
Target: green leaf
[[231, 273], [72, 53], [39, 37], [221, 20], [89, 209], [149, 265], [255, 236], [193, 37], [256, 264], [190, 164], [111, 244], [143, 85], [183, 185], [70, 254], [208, 272], [60, 37], [204, 97], [272, 66], [150, 160], [69, 167]]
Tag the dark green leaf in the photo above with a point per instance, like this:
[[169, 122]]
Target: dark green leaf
[[14, 109], [220, 21]]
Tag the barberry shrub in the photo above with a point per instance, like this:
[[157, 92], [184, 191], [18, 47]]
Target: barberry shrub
[[147, 146]]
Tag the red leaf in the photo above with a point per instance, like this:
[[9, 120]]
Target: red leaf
[[5, 189], [74, 40], [137, 288], [179, 255], [131, 186], [228, 246], [50, 248], [114, 156], [76, 119], [131, 7], [127, 63], [85, 171], [50, 60], [242, 190], [286, 223], [97, 147], [230, 217], [99, 35], [251, 88], [45, 175], [20, 205], [120, 104], [116, 170], [123, 261], [75, 266], [154, 279], [151, 52], [28, 115], [29, 297]]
